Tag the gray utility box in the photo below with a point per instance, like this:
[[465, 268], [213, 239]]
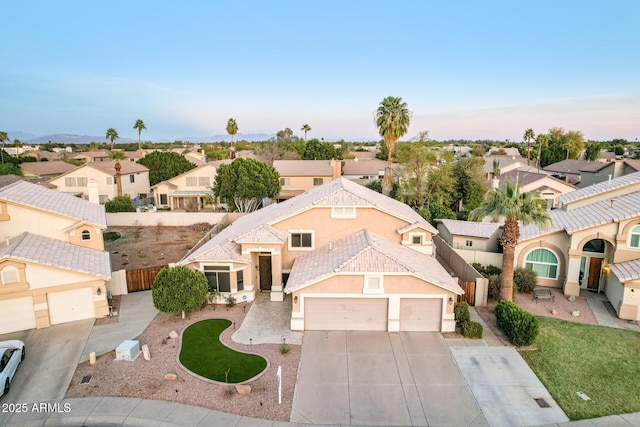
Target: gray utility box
[[128, 350]]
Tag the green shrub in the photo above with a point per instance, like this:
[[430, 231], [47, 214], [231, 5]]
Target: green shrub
[[231, 301], [525, 280], [119, 204], [461, 313], [488, 270], [493, 291], [471, 329], [519, 326]]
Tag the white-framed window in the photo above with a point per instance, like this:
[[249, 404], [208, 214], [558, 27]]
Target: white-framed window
[[86, 235], [373, 285], [416, 239], [318, 181], [163, 199], [70, 182], [634, 237], [82, 182], [9, 275], [219, 277], [301, 240], [544, 262], [204, 181], [192, 181], [468, 243], [285, 181], [343, 212]]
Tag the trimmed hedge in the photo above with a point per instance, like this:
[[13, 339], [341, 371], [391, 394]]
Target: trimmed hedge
[[493, 290], [519, 326], [461, 313], [471, 329]]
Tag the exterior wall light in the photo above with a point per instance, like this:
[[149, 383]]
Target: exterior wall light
[[450, 301]]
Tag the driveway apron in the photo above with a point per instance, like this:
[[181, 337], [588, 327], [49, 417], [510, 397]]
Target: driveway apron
[[378, 378]]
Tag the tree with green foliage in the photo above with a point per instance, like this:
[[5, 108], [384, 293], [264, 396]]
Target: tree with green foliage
[[377, 186], [471, 185], [245, 182], [112, 135], [10, 169], [593, 151], [392, 120], [528, 136], [618, 149], [561, 145], [542, 141], [165, 165], [119, 204], [117, 156], [511, 206], [3, 138], [317, 150], [179, 289], [305, 128], [416, 161], [140, 126]]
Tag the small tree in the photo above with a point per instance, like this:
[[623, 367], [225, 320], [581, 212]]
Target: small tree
[[119, 204], [245, 182], [179, 289]]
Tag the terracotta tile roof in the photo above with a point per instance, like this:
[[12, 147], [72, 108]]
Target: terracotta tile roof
[[28, 194], [366, 252], [482, 230], [303, 167], [57, 253], [626, 271]]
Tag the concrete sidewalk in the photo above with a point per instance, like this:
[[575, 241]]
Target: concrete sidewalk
[[136, 312], [267, 322]]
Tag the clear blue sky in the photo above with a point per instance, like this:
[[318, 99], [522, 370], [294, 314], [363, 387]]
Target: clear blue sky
[[466, 69]]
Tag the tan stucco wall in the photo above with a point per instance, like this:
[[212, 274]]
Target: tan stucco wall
[[140, 186]]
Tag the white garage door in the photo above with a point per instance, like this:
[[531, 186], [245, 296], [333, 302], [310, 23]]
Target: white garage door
[[17, 314], [420, 314], [67, 306], [345, 314]]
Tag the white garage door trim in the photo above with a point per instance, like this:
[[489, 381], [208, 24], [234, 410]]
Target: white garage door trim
[[17, 314], [346, 314], [68, 306], [421, 314]]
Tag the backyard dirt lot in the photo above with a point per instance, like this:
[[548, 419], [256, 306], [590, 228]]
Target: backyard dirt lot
[[141, 247]]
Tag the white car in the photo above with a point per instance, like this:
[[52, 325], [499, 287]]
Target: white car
[[12, 352]]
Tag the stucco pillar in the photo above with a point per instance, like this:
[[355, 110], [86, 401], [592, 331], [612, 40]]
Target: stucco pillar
[[277, 293], [393, 320], [572, 284]]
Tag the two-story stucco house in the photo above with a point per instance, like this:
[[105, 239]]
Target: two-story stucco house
[[135, 180], [350, 259], [298, 176], [187, 190], [53, 266]]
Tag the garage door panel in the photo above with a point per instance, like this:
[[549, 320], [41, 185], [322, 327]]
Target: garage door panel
[[346, 314], [421, 314], [17, 314], [69, 306]]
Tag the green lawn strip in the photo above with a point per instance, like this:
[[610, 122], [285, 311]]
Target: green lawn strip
[[602, 362], [203, 353]]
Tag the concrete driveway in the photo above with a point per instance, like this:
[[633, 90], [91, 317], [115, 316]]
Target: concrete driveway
[[378, 378], [52, 358]]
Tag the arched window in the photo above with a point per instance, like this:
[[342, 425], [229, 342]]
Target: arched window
[[86, 235], [544, 262], [9, 275], [634, 237]]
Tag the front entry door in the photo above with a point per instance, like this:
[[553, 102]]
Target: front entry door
[[265, 272], [594, 273]]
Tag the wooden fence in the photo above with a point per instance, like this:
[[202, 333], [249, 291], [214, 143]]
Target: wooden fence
[[142, 279], [469, 295]]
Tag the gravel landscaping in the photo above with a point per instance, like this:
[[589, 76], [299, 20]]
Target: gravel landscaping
[[145, 379]]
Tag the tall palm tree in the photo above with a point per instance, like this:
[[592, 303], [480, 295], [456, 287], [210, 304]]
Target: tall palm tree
[[232, 129], [3, 138], [140, 126], [511, 206], [117, 156], [392, 119], [305, 128], [112, 135], [528, 136]]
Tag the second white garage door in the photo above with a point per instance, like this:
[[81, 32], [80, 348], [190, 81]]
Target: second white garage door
[[17, 315], [67, 306], [345, 314], [420, 314]]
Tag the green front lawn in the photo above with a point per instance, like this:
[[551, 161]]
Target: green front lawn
[[602, 362], [203, 353]]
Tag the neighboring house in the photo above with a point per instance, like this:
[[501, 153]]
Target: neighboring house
[[45, 170], [188, 190], [92, 156], [505, 164], [568, 170], [41, 154], [594, 243], [298, 176], [596, 172], [351, 259], [364, 171], [198, 159], [630, 166], [459, 150], [53, 266], [606, 156], [363, 155], [473, 236], [135, 181], [550, 188], [508, 152]]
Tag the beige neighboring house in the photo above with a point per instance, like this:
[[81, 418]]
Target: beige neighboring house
[[92, 156], [594, 244], [42, 154], [45, 170], [550, 188], [96, 181], [348, 257], [364, 171], [298, 176], [188, 190], [473, 236], [53, 266]]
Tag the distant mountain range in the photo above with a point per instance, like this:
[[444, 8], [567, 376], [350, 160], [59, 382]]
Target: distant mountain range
[[29, 138]]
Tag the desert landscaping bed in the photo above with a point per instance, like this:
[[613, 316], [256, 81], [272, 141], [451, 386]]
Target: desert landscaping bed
[[146, 379]]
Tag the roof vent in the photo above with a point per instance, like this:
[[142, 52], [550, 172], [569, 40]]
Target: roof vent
[[612, 201]]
